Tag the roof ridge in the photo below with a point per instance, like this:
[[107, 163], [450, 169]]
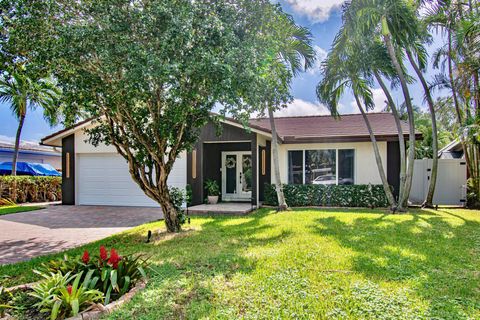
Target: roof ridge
[[322, 115]]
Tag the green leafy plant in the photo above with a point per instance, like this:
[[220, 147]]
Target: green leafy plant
[[212, 187], [19, 189], [315, 195], [117, 279], [178, 198], [6, 202], [5, 301], [60, 299], [112, 274]]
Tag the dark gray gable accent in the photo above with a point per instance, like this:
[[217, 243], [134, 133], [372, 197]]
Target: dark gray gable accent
[[228, 133], [68, 183], [208, 156], [393, 166], [264, 179]]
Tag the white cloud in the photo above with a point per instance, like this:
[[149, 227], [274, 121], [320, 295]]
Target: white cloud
[[315, 10], [301, 107], [379, 100], [321, 55]]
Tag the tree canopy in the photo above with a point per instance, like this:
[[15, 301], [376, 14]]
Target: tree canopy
[[151, 72]]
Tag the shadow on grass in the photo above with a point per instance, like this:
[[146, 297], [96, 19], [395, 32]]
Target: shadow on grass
[[186, 266], [429, 249]]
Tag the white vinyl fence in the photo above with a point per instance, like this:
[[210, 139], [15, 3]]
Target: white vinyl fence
[[451, 186]]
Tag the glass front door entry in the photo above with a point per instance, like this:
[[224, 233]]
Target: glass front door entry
[[236, 176]]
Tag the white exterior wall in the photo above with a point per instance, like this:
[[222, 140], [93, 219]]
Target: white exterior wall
[[104, 173], [84, 147], [365, 166]]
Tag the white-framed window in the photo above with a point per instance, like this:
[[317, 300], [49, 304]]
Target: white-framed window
[[322, 166]]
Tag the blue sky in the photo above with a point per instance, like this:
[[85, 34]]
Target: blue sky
[[323, 19]]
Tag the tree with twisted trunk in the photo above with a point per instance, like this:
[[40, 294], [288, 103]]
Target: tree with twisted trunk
[[151, 72]]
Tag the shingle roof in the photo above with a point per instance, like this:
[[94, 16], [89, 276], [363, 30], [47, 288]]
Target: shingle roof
[[350, 127], [29, 146], [310, 128]]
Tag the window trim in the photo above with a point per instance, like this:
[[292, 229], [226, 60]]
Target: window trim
[[336, 161]]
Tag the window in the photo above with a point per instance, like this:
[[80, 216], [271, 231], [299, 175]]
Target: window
[[320, 167], [328, 166], [346, 166], [295, 167]]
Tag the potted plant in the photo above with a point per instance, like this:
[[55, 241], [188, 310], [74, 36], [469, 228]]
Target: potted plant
[[213, 191]]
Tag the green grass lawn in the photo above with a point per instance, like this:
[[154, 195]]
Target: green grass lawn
[[336, 264], [15, 209]]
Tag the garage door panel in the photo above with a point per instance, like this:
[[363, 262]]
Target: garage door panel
[[104, 179]]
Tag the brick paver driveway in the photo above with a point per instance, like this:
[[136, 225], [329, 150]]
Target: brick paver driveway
[[56, 228]]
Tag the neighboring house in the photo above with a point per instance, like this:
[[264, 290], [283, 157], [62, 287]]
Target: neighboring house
[[453, 150], [31, 152], [312, 149]]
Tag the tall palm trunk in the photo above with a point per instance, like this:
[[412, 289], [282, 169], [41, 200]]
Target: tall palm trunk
[[428, 203], [467, 151], [17, 144], [378, 159], [401, 139], [411, 120], [282, 204]]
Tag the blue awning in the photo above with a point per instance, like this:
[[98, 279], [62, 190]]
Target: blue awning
[[29, 169]]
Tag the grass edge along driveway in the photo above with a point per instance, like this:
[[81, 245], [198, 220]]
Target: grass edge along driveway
[[16, 209], [330, 263]]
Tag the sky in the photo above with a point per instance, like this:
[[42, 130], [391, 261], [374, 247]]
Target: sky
[[322, 17]]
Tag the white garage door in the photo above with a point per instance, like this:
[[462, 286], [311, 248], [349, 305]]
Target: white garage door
[[103, 179]]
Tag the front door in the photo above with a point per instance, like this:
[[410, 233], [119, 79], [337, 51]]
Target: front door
[[237, 176]]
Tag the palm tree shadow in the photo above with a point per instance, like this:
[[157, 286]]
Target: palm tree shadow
[[423, 247]]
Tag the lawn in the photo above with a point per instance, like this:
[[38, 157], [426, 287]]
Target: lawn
[[15, 209], [344, 264]]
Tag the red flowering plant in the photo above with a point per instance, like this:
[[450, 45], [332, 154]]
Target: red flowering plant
[[86, 257], [112, 274]]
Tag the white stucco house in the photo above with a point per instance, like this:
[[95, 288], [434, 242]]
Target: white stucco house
[[312, 150]]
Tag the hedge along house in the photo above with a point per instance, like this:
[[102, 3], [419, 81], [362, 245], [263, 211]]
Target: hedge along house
[[312, 150]]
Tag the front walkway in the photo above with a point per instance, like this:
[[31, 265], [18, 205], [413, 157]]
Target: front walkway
[[29, 234], [235, 208]]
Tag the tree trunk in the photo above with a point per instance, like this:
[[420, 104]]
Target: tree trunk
[[170, 214], [401, 139], [17, 144], [411, 121], [378, 159], [428, 203], [282, 204]]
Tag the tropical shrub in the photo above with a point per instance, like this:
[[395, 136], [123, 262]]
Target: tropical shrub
[[115, 275], [212, 187], [64, 296], [21, 189], [5, 301], [306, 195], [179, 197]]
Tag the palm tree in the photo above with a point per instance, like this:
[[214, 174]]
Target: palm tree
[[459, 22], [419, 69], [395, 22], [295, 54], [23, 93], [344, 68]]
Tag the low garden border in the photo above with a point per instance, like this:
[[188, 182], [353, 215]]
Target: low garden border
[[99, 310], [316, 195]]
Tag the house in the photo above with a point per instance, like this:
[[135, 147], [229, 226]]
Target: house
[[312, 149], [31, 152], [453, 150]]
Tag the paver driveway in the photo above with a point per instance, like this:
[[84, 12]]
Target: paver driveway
[[29, 234]]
